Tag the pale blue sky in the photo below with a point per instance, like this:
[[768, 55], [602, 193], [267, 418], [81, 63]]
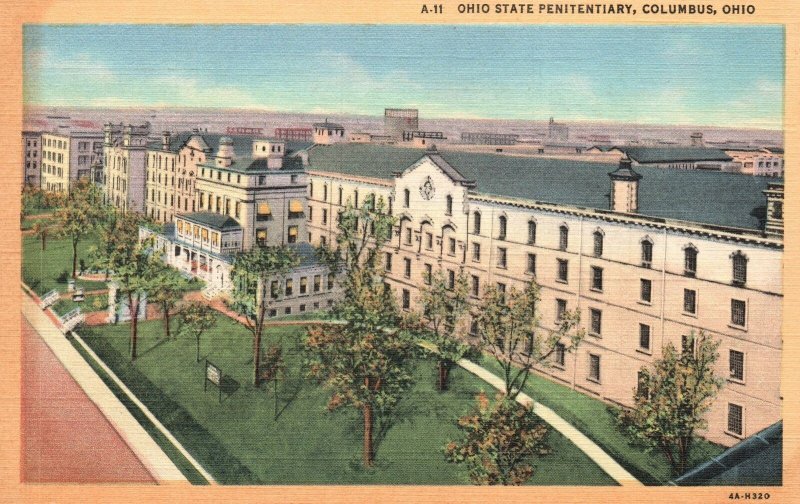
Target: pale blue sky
[[721, 75]]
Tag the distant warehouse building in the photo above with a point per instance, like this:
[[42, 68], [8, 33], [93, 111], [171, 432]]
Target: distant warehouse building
[[483, 138], [683, 158]]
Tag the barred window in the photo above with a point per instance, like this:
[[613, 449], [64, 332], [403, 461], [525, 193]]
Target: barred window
[[689, 301], [690, 261], [645, 290], [531, 232], [594, 367], [562, 270], [647, 253], [738, 312], [735, 419], [596, 317], [502, 257], [736, 362], [644, 337], [739, 269], [598, 243], [597, 278], [560, 354], [563, 240]]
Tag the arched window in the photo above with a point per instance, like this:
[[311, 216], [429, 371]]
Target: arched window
[[531, 231], [739, 268], [449, 205], [690, 260], [476, 223], [647, 253], [406, 198], [563, 237], [501, 235], [598, 243]]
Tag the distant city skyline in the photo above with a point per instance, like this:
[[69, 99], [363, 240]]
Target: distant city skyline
[[726, 76]]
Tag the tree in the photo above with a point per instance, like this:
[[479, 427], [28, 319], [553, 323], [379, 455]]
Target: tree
[[40, 230], [443, 306], [132, 263], [195, 319], [367, 362], [500, 442], [252, 271], [508, 325], [672, 398], [82, 211], [168, 287]]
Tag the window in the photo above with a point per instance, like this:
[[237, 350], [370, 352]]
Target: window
[[690, 261], [407, 267], [644, 337], [289, 286], [594, 367], [735, 419], [739, 268], [341, 193], [273, 289], [303, 285], [501, 234], [451, 279], [531, 232], [310, 213], [263, 212], [428, 274], [406, 198], [563, 240], [476, 286], [689, 301], [559, 357], [688, 343], [388, 265], [295, 209], [473, 327], [736, 363], [642, 389], [317, 282], [476, 252], [647, 253], [598, 243], [408, 236], [330, 281], [562, 270], [561, 308], [429, 241], [311, 189], [325, 192], [597, 278], [596, 319], [355, 198], [645, 290], [448, 205], [501, 289], [406, 299], [451, 246], [287, 310], [531, 264], [502, 257], [738, 312], [292, 234], [476, 223]]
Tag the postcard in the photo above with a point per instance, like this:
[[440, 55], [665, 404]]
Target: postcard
[[407, 252]]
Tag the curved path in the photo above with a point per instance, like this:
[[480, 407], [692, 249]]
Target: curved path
[[579, 439]]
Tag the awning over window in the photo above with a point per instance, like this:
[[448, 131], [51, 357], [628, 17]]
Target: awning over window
[[264, 209], [296, 206]]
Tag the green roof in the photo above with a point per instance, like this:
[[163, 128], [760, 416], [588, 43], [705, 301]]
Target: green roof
[[723, 199], [212, 220], [675, 154]]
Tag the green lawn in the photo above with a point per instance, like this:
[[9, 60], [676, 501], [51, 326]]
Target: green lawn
[[90, 304], [40, 269], [595, 419], [240, 441]]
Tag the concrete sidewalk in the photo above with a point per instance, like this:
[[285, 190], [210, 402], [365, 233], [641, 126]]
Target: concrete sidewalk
[[151, 455], [586, 445]]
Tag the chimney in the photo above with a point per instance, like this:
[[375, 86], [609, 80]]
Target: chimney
[[165, 137], [625, 187], [774, 222]]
